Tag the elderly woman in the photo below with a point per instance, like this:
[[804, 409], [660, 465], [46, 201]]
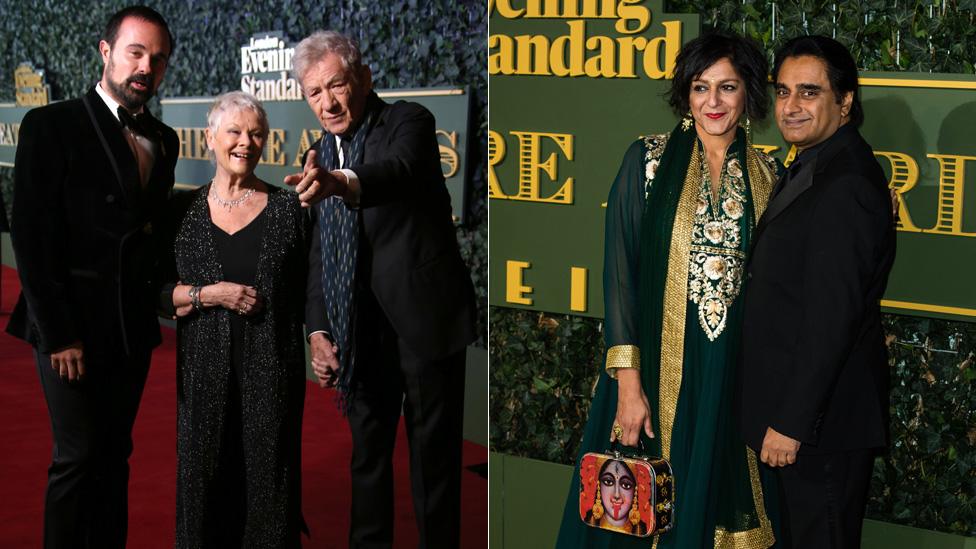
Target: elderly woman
[[239, 253], [679, 221]]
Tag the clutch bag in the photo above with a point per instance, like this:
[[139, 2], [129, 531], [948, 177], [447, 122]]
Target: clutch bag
[[628, 494]]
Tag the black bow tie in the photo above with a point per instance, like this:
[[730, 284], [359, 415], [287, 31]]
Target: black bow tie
[[138, 123]]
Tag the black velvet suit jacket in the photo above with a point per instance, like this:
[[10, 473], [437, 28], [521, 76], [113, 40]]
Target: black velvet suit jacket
[[408, 252], [814, 358], [82, 230]]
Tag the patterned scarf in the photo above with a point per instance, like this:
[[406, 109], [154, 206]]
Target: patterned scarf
[[665, 243], [339, 231]]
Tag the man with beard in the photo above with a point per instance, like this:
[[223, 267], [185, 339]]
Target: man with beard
[[91, 175]]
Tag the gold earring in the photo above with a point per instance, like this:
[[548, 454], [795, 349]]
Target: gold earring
[[598, 503], [635, 508], [688, 121]]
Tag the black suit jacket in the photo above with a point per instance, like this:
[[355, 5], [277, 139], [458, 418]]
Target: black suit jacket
[[82, 230], [814, 358], [408, 253]]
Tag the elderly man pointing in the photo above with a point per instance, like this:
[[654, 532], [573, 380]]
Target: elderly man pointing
[[390, 306]]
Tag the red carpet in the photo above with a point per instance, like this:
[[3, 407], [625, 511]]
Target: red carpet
[[25, 448]]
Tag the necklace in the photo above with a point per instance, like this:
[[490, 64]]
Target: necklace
[[229, 203]]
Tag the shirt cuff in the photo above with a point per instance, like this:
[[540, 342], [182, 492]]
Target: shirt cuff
[[353, 190], [327, 335]]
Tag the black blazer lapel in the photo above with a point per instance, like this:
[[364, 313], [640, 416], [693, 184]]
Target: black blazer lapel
[[820, 162], [116, 147], [376, 131], [159, 180], [797, 186]]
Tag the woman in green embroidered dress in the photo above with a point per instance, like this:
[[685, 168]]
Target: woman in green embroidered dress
[[679, 219]]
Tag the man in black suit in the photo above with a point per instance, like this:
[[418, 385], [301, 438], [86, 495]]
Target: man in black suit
[[390, 302], [90, 175], [813, 384]]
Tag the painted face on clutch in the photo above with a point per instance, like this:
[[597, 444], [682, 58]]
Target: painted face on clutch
[[237, 142], [717, 99], [617, 492]]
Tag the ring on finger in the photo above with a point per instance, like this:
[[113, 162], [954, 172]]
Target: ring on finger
[[618, 431]]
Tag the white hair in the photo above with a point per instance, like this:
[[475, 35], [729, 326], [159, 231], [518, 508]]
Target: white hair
[[235, 101], [313, 49]]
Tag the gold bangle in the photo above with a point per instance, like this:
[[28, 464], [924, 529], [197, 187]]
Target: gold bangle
[[620, 357]]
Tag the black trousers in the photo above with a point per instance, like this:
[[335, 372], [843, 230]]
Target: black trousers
[[86, 503], [822, 499], [388, 377]]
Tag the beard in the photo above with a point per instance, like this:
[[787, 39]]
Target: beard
[[129, 97]]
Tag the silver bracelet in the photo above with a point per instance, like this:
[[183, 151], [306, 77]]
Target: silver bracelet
[[195, 298]]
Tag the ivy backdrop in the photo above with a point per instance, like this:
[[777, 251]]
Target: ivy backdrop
[[544, 367], [408, 43]]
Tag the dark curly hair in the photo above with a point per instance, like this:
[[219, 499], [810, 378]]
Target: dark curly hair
[[747, 59]]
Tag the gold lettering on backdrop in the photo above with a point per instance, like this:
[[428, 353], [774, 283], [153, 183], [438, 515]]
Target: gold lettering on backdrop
[[630, 11], [952, 176], [557, 52], [502, 62], [530, 164], [515, 289], [30, 89], [627, 47], [533, 54], [577, 289], [184, 135], [449, 156], [8, 134], [193, 143], [201, 151], [602, 64], [559, 9], [505, 9], [496, 153], [567, 54], [25, 77], [663, 48], [272, 148], [904, 176], [304, 142]]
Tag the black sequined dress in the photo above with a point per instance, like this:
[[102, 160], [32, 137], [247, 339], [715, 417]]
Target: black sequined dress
[[240, 380]]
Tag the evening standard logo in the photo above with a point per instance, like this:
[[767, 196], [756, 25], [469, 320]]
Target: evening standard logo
[[31, 89], [265, 68], [572, 49]]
